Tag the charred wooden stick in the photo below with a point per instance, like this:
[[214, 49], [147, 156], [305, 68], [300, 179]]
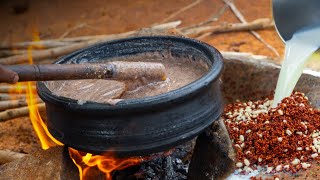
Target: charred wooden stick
[[119, 70], [18, 112], [8, 156], [15, 103]]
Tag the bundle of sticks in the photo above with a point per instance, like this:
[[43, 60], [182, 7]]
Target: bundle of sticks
[[47, 50], [13, 101]]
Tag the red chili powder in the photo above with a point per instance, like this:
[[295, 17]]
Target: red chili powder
[[285, 138]]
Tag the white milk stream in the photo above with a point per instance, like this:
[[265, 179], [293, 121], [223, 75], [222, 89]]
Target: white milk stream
[[298, 50]]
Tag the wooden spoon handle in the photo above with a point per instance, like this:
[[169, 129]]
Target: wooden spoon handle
[[119, 70]]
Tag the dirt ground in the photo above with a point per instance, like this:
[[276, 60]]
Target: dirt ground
[[52, 18]]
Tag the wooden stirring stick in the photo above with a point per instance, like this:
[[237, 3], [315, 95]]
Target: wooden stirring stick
[[119, 70]]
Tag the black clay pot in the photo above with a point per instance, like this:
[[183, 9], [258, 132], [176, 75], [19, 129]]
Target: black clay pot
[[138, 126]]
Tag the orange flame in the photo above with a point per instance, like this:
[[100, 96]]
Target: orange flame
[[106, 163], [46, 139]]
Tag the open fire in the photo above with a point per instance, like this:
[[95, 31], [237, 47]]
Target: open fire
[[106, 163]]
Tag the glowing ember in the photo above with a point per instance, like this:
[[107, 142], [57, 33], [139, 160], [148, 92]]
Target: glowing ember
[[106, 163]]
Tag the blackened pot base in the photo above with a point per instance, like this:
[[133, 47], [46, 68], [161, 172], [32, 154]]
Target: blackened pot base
[[179, 72], [144, 125]]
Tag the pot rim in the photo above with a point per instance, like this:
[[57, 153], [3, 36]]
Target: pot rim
[[135, 104]]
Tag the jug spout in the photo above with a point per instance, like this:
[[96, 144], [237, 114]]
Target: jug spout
[[292, 15]]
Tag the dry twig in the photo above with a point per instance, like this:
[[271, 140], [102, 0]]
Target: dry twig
[[52, 43], [48, 53], [42, 44], [18, 112], [244, 56], [82, 25], [59, 51], [6, 52], [185, 8], [10, 104], [14, 89], [243, 20], [229, 27], [73, 29], [7, 156], [6, 96], [213, 18]]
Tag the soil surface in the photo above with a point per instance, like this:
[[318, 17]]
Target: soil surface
[[54, 18], [18, 135]]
